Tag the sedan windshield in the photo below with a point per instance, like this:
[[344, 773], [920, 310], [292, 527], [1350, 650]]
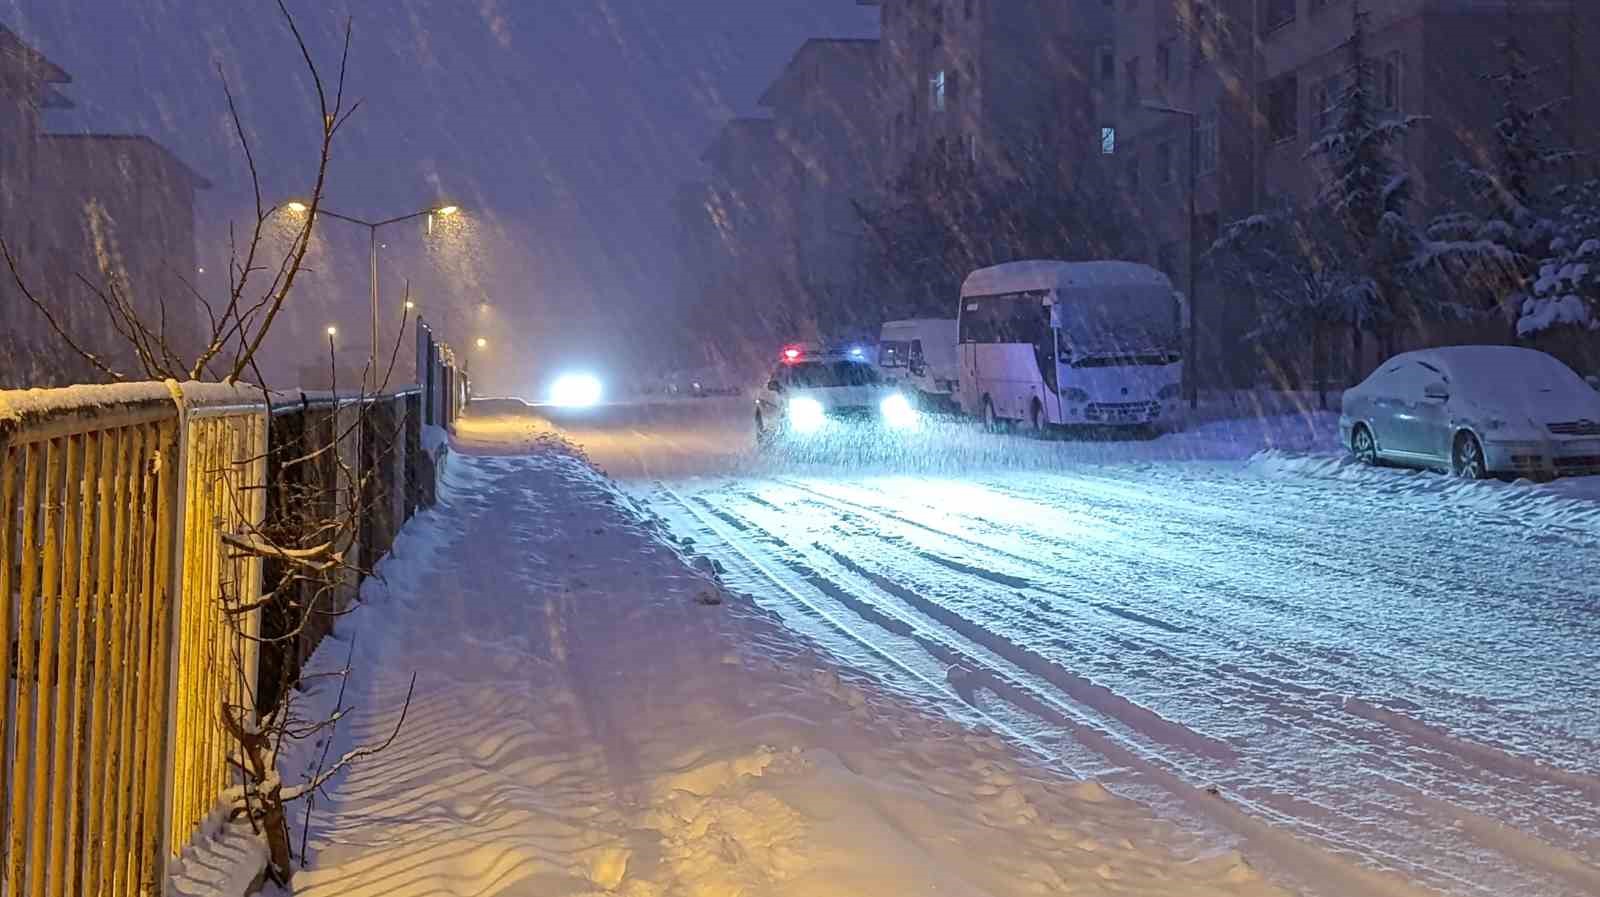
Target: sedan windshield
[[823, 374], [1512, 377]]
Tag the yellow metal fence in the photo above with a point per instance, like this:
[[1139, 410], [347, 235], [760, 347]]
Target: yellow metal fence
[[85, 593], [116, 591]]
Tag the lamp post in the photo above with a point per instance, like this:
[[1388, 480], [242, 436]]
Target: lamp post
[[1190, 368], [372, 240]]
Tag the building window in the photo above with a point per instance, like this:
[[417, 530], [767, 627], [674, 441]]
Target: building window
[[1327, 98], [1108, 64], [972, 149], [971, 4], [1389, 90], [936, 91], [1164, 62], [1130, 74], [1276, 13], [1283, 109], [938, 25], [1207, 138], [1166, 163], [1131, 172], [1108, 140]]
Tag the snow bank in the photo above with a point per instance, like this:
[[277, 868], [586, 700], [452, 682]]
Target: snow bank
[[584, 723], [1573, 502]]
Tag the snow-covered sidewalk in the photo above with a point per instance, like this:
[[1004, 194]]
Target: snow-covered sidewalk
[[584, 724]]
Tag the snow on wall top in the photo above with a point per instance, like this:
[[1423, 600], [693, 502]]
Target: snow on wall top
[[20, 407], [1014, 277], [23, 408]]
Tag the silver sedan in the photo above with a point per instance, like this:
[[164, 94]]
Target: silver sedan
[[1477, 411]]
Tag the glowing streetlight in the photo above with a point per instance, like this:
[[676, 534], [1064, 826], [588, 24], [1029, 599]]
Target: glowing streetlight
[[483, 343], [333, 331], [298, 207], [410, 305]]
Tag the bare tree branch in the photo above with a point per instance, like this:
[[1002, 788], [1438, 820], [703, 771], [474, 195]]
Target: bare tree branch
[[50, 318]]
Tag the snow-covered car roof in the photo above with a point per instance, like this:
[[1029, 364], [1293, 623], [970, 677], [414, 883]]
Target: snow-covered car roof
[[1017, 277], [1511, 378]]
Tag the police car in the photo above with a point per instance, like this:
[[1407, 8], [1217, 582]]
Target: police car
[[817, 393]]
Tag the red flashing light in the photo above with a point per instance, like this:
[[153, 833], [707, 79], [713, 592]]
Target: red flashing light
[[792, 353]]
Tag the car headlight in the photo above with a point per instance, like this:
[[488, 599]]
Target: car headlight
[[576, 391], [897, 411], [1168, 392], [806, 415], [1074, 394]]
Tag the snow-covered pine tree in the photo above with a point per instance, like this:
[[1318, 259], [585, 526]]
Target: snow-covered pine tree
[[1488, 253], [1367, 192], [1566, 289], [1293, 261]]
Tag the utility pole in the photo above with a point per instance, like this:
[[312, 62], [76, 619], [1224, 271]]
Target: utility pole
[[1572, 88], [1190, 368]]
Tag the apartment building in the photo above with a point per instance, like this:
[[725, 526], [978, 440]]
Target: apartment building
[[750, 200], [988, 80], [1260, 80], [103, 207], [826, 117]]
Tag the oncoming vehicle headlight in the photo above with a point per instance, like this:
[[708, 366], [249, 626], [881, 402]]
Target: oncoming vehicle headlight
[[805, 415], [897, 411], [575, 391], [1170, 391]]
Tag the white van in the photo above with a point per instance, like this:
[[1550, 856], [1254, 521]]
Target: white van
[[1046, 343], [920, 355]]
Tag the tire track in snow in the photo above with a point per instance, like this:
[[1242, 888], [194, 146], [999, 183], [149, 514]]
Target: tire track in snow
[[770, 506], [1245, 817], [1537, 657], [1422, 768]]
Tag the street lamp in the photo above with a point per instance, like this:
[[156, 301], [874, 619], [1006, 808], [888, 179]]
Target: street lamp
[[333, 332], [483, 343], [1190, 368], [372, 233]]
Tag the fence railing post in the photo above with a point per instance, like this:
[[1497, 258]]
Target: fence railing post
[[179, 547]]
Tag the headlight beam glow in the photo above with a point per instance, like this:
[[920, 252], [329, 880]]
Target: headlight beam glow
[[576, 391], [898, 412], [805, 415]]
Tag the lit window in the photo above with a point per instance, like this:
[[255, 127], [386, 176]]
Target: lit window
[[1108, 141], [936, 91]]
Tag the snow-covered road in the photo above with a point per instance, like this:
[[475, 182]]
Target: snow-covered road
[[1392, 666]]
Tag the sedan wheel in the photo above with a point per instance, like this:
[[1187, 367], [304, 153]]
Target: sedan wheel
[[1467, 460], [1363, 446]]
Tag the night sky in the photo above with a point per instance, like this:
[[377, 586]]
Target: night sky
[[563, 126]]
